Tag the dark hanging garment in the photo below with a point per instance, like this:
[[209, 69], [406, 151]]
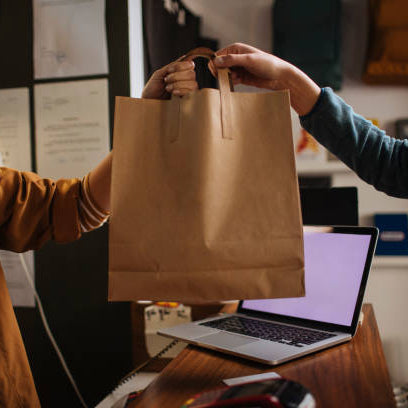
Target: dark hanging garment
[[170, 31], [308, 34]]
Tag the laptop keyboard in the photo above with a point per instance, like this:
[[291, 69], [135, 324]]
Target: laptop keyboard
[[275, 332]]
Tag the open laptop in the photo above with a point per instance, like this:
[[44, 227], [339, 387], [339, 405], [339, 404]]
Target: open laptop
[[273, 331]]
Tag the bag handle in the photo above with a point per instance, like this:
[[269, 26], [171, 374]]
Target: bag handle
[[225, 85], [224, 74]]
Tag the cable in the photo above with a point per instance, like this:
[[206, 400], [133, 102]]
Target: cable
[[136, 371], [49, 333]]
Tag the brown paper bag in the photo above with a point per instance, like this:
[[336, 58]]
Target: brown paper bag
[[205, 200]]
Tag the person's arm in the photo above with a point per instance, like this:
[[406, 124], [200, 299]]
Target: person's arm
[[34, 210], [177, 78], [377, 158]]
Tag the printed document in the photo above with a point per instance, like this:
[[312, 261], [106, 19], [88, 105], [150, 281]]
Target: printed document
[[72, 127], [69, 38], [21, 293], [15, 142], [15, 149]]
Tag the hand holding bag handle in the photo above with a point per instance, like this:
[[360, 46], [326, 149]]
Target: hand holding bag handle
[[225, 85]]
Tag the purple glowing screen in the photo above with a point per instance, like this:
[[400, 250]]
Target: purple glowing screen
[[334, 266]]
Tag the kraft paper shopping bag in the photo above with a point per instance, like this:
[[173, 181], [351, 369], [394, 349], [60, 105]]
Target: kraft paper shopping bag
[[205, 200]]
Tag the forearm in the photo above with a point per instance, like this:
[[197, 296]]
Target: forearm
[[304, 92], [34, 210], [100, 183], [377, 158]]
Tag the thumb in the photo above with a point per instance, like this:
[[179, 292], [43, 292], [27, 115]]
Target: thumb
[[231, 60]]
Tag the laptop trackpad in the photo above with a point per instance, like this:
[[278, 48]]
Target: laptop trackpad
[[225, 340]]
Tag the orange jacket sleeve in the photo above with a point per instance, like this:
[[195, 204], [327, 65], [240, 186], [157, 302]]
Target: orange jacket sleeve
[[34, 210]]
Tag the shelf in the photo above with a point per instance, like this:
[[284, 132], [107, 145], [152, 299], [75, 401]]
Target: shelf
[[392, 261], [327, 167]]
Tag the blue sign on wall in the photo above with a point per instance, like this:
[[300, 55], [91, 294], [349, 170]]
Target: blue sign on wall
[[393, 236]]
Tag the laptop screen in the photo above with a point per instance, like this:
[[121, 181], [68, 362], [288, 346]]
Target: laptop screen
[[334, 268]]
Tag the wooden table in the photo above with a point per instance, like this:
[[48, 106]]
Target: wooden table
[[351, 375]]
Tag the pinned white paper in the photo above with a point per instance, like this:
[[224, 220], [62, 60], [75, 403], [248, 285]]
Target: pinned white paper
[[15, 143], [72, 127], [21, 293], [15, 152], [69, 38]]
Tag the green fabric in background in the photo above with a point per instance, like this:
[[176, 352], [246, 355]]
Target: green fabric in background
[[307, 33]]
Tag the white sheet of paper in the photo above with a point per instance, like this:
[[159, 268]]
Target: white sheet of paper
[[72, 127], [249, 378], [15, 149], [20, 291], [15, 142], [69, 38], [160, 317]]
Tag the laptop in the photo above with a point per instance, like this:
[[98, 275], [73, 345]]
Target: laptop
[[273, 331]]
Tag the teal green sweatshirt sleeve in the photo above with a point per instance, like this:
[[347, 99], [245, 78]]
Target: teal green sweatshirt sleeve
[[378, 159]]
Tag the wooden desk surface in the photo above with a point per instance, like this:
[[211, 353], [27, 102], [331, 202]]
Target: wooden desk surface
[[351, 375]]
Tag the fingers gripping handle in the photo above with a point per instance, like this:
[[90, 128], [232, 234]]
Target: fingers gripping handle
[[225, 80], [225, 85]]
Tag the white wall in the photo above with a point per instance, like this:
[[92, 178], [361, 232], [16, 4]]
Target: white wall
[[250, 21], [136, 67]]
